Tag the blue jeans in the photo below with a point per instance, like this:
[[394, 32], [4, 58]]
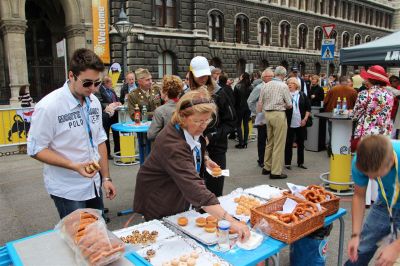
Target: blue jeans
[[65, 206], [376, 227], [308, 251]]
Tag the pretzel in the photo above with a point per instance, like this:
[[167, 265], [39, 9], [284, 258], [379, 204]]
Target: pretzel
[[315, 187], [330, 194], [310, 195], [288, 218]]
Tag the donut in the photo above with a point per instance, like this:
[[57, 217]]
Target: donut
[[211, 219], [201, 221], [182, 221], [194, 255], [184, 258], [174, 262], [191, 262], [216, 171], [210, 228]]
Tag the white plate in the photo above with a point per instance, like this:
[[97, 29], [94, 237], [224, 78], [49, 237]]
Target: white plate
[[225, 172], [265, 191], [175, 247], [191, 229], [153, 225]]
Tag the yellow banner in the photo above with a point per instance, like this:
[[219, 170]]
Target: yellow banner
[[15, 124], [101, 40]]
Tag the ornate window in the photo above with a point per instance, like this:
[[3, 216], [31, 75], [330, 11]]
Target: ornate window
[[240, 66], [284, 34], [216, 26], [165, 13], [368, 38], [318, 35], [242, 29], [166, 64], [345, 40], [302, 36], [264, 32], [357, 39]]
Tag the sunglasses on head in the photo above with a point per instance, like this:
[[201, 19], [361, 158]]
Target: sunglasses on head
[[88, 83]]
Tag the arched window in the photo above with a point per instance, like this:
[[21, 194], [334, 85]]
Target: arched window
[[242, 29], [264, 32], [216, 26], [166, 64], [334, 36], [264, 64], [302, 68], [345, 39], [165, 13], [368, 38], [302, 36], [357, 39], [317, 68], [216, 62], [318, 35], [284, 34], [240, 67], [285, 64]]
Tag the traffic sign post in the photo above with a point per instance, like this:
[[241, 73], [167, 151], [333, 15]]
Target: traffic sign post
[[328, 49], [328, 29]]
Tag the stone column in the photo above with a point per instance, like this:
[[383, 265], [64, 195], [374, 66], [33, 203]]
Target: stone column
[[75, 35], [14, 47]]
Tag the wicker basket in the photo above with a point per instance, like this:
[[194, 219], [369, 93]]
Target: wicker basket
[[332, 206], [287, 233]]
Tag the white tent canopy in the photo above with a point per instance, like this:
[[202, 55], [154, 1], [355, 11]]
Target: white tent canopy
[[384, 51]]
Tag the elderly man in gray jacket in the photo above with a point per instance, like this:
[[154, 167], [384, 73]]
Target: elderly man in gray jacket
[[266, 77]]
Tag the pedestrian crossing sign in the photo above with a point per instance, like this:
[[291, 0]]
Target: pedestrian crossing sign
[[328, 49]]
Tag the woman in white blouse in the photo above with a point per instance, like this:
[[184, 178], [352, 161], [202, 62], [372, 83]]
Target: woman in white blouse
[[296, 118]]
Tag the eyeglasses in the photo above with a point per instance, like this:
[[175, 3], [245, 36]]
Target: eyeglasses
[[202, 122], [88, 83]]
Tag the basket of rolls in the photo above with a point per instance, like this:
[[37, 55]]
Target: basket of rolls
[[86, 234], [318, 194], [305, 218]]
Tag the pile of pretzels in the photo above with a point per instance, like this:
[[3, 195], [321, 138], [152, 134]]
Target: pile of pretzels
[[302, 211], [86, 233], [317, 194]]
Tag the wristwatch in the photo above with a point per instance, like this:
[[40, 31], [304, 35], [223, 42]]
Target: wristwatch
[[107, 179]]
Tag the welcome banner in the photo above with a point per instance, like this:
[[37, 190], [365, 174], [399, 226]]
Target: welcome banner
[[101, 41]]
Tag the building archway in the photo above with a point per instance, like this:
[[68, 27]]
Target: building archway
[[46, 27], [240, 67]]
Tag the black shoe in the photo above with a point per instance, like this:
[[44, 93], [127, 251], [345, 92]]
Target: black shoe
[[288, 167], [265, 172], [240, 146], [232, 136], [281, 176], [261, 164], [302, 166]]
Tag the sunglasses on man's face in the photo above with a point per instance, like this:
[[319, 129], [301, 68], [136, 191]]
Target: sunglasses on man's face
[[87, 83]]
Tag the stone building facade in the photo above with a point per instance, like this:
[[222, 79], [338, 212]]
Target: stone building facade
[[242, 35], [236, 35]]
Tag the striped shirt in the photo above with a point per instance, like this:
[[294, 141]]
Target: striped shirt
[[25, 99], [275, 96]]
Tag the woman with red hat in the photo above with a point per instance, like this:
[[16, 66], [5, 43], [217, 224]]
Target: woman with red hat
[[373, 106]]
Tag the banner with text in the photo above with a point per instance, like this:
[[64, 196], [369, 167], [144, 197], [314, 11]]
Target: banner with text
[[101, 40]]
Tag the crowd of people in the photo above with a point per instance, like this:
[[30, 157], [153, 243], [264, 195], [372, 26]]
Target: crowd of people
[[192, 120]]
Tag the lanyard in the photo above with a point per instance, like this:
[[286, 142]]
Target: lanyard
[[394, 198], [295, 100], [198, 153], [86, 117]]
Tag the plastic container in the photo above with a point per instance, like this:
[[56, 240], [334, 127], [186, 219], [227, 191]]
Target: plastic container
[[144, 114], [344, 104], [223, 236]]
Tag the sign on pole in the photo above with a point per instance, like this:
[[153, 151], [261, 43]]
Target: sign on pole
[[62, 52], [101, 40], [328, 49], [328, 28]]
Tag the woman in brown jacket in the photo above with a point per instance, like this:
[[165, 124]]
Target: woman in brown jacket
[[171, 180]]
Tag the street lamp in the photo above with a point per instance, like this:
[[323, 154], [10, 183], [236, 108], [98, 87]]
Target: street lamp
[[123, 27]]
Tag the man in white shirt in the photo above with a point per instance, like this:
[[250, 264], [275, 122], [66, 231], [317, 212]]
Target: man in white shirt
[[67, 135]]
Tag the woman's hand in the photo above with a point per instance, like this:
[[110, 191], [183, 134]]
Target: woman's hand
[[303, 122], [241, 229]]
